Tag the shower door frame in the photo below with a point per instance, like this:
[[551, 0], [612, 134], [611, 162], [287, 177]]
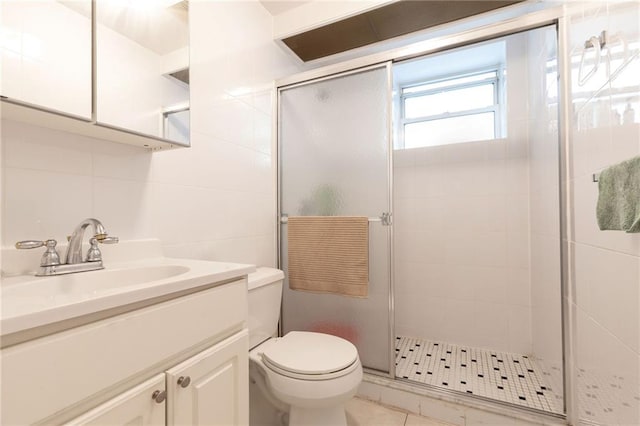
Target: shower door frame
[[553, 16], [389, 209]]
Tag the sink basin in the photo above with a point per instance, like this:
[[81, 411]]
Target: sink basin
[[29, 301], [88, 284]]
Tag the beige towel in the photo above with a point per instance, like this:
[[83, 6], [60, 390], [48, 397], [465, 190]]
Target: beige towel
[[329, 254]]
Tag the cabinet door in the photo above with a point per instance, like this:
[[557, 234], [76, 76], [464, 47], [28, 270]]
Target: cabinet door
[[142, 67], [45, 48], [214, 389], [134, 407]]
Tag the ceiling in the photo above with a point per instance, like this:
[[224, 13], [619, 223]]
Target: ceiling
[[276, 7], [158, 25], [383, 23]]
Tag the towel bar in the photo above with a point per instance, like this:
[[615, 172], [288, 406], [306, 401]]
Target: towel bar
[[385, 218]]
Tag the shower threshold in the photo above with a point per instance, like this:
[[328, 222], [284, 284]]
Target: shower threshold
[[507, 377]]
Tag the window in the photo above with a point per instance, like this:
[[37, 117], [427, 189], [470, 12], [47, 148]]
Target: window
[[460, 109]]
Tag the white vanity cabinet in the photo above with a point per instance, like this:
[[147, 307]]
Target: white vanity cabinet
[[136, 406], [210, 388], [106, 371]]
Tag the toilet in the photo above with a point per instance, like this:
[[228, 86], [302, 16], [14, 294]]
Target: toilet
[[302, 378]]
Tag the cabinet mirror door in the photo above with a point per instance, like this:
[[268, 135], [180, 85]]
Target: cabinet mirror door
[[46, 54], [142, 67]]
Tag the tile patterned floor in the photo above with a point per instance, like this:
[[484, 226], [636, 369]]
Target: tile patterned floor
[[608, 400], [507, 377], [361, 412]]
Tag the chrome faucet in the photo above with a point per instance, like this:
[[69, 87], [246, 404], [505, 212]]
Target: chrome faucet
[[50, 262], [74, 251]]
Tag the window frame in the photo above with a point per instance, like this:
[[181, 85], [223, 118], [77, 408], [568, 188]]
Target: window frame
[[497, 108]]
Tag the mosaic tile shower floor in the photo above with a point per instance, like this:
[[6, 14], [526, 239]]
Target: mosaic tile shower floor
[[503, 376], [608, 400]]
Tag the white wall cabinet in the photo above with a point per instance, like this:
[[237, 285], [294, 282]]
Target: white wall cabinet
[[45, 47], [142, 66], [127, 81]]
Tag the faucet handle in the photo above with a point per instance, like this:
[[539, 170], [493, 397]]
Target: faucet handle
[[94, 255], [50, 256], [109, 240], [30, 244]]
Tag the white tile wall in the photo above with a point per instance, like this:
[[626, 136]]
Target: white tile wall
[[606, 281], [461, 223], [214, 200]]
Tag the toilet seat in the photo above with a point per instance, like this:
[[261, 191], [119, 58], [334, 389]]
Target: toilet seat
[[305, 391], [310, 356]]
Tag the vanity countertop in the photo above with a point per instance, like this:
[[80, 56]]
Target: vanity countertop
[[28, 302]]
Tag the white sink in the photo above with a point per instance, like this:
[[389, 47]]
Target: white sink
[[87, 284], [28, 301]]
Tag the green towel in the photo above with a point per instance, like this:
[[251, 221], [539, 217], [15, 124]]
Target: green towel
[[619, 197]]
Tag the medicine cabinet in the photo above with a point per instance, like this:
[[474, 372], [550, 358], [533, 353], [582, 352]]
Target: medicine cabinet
[[110, 69]]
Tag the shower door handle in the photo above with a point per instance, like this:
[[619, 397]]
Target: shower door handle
[[385, 219]]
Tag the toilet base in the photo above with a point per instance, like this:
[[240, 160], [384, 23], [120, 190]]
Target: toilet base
[[334, 416]]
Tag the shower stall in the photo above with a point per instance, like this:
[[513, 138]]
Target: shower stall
[[453, 153]]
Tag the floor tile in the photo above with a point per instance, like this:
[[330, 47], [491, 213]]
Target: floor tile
[[507, 377], [413, 420], [361, 412]]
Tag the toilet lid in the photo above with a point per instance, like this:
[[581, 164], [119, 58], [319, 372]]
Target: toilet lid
[[304, 352]]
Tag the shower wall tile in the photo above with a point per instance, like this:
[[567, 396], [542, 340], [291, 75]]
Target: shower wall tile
[[516, 214], [491, 326], [610, 281], [461, 223], [518, 249], [492, 286], [545, 329], [520, 333], [430, 182], [425, 157], [519, 287], [500, 222], [427, 313], [424, 247], [606, 263]]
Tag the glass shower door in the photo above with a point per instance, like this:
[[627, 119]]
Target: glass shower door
[[334, 160]]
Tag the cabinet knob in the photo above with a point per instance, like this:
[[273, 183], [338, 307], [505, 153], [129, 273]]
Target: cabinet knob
[[159, 396], [184, 381]]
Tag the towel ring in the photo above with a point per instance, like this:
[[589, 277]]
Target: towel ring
[[597, 43], [612, 40]]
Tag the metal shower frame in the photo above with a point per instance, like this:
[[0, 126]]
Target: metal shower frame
[[554, 16]]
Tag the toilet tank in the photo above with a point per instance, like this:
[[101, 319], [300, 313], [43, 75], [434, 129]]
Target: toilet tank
[[265, 295]]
